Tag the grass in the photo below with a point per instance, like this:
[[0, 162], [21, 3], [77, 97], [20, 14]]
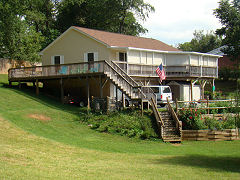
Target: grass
[[62, 148]]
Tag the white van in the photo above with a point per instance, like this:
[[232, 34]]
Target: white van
[[162, 93]]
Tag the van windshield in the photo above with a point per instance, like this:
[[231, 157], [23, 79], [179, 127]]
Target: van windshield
[[166, 90], [155, 89]]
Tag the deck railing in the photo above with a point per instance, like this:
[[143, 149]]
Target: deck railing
[[126, 83], [171, 71], [174, 116], [56, 70]]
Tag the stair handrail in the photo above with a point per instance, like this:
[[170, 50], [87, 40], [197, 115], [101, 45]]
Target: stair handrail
[[134, 83], [156, 112], [109, 65], [120, 71], [124, 78], [174, 115]]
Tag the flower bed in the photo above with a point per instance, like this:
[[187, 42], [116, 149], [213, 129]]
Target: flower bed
[[193, 119]]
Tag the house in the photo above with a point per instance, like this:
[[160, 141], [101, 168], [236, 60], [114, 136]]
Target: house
[[224, 61], [96, 63]]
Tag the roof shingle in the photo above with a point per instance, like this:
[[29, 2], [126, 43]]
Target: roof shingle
[[121, 40]]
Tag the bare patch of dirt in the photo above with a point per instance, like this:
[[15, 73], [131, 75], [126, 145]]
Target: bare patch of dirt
[[176, 144], [40, 117]]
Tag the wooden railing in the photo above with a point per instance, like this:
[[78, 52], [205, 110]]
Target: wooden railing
[[144, 92], [206, 104], [157, 114], [171, 71], [56, 70], [126, 83], [174, 116], [112, 70]]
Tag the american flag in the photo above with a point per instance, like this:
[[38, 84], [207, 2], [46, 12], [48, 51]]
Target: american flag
[[160, 72]]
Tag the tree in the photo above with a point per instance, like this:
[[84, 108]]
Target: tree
[[18, 40], [229, 15], [111, 15], [41, 14], [202, 42]]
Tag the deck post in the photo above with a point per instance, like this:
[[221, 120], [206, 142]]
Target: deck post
[[116, 93], [62, 90], [88, 93], [37, 87], [100, 84], [208, 111], [19, 85], [191, 90], [176, 106], [123, 100], [202, 84]]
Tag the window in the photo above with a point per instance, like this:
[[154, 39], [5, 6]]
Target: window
[[166, 90], [58, 59], [90, 57], [122, 56], [155, 89]]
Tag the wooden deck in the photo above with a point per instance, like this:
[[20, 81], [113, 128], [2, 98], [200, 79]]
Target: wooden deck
[[171, 71], [100, 67], [56, 71]]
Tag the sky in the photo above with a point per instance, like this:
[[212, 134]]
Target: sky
[[174, 21]]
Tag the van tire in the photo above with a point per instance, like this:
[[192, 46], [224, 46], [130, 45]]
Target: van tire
[[162, 105], [127, 104]]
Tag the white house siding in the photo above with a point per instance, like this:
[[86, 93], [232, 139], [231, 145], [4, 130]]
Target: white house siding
[[72, 46], [142, 57], [177, 59], [205, 60], [158, 58], [212, 62], [194, 60], [134, 57], [149, 58]]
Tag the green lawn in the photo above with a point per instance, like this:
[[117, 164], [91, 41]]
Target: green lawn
[[59, 147]]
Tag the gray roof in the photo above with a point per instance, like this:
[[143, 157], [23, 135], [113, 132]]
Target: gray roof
[[218, 51]]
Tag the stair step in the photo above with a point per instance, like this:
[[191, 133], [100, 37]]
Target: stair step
[[172, 140]]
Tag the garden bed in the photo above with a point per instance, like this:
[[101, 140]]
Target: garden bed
[[210, 135]]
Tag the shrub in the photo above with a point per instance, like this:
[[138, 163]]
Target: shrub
[[191, 119], [127, 123]]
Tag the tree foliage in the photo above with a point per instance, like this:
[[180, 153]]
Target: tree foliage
[[27, 26], [111, 15], [229, 15], [18, 40], [202, 42]]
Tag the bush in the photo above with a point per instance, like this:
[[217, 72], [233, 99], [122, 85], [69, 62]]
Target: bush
[[191, 119], [127, 123]]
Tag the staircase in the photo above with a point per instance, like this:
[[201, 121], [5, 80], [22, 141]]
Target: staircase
[[123, 81], [170, 133], [168, 124]]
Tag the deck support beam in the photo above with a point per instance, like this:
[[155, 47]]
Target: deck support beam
[[116, 93], [191, 87], [88, 93], [19, 85], [100, 85], [62, 90], [37, 87], [123, 100], [202, 84]]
